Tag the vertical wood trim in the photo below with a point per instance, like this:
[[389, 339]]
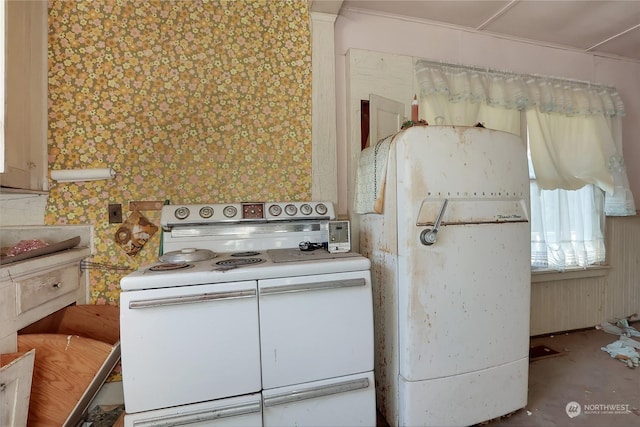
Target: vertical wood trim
[[40, 96], [25, 97], [324, 162]]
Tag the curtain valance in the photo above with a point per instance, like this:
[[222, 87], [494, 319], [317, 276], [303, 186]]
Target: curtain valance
[[521, 92], [574, 128]]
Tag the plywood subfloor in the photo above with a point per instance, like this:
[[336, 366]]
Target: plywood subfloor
[[65, 366]]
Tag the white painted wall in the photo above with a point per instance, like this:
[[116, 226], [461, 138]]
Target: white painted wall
[[424, 40], [558, 302]]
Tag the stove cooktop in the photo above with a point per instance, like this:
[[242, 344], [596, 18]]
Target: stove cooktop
[[232, 267]]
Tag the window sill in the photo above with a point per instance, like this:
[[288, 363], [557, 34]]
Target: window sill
[[572, 273]]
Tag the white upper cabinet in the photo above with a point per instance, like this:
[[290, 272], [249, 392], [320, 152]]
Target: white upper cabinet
[[25, 126]]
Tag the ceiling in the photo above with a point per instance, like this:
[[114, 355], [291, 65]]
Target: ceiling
[[609, 28]]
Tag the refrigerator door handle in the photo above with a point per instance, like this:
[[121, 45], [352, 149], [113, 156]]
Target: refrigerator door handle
[[428, 235]]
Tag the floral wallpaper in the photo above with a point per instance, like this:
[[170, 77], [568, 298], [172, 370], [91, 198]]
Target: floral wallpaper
[[194, 101]]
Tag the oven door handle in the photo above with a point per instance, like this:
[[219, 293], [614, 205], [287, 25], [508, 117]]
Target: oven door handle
[[315, 392], [191, 299], [201, 416], [315, 286]]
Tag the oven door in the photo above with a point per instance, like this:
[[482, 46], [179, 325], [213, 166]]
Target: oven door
[[189, 344], [315, 327]]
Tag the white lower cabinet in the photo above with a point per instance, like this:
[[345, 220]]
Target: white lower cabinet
[[242, 411], [343, 401], [16, 374]]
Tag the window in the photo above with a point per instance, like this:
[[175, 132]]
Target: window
[[567, 226], [575, 129]]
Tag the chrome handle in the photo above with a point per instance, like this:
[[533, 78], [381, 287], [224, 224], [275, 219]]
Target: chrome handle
[[317, 286], [190, 299], [315, 392], [201, 416], [429, 236]]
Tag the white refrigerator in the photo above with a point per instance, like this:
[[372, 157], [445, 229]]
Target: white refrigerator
[[447, 231]]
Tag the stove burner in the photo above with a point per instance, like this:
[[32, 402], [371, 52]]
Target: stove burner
[[242, 254], [239, 262], [169, 266], [187, 255]]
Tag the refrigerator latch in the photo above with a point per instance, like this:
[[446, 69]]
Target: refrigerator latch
[[428, 236]]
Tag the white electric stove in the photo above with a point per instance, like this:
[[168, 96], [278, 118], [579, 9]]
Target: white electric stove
[[236, 325]]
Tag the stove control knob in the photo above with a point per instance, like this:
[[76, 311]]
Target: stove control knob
[[290, 209], [306, 209], [206, 212], [321, 209], [229, 211], [275, 210], [182, 213]]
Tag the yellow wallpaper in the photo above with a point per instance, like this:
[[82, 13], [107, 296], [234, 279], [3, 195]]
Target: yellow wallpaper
[[189, 101]]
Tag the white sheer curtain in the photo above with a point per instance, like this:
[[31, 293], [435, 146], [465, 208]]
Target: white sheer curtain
[[621, 202], [437, 108], [575, 149], [569, 152], [566, 228]]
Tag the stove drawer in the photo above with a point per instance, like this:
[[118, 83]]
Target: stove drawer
[[232, 412], [189, 344], [315, 327], [343, 401]]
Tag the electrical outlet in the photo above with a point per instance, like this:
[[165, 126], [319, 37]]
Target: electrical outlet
[[115, 213]]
